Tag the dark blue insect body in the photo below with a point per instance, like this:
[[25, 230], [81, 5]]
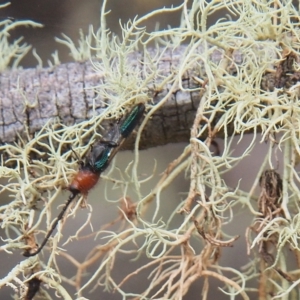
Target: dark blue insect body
[[131, 120], [99, 157], [103, 152], [96, 162]]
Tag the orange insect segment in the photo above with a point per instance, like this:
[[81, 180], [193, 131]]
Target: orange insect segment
[[95, 163], [83, 181]]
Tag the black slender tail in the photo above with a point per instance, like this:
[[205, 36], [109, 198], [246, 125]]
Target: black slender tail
[[27, 253], [99, 159]]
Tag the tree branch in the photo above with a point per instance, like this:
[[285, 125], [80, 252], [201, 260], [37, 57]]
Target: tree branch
[[30, 98]]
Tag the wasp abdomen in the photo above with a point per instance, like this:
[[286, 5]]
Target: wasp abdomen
[[83, 181]]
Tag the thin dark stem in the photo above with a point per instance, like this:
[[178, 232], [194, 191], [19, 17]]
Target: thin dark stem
[[27, 253]]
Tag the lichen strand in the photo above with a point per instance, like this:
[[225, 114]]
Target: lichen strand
[[265, 36], [12, 53]]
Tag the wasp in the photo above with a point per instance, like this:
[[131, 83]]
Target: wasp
[[97, 160]]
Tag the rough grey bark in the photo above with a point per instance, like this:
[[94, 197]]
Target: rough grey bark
[[63, 92]]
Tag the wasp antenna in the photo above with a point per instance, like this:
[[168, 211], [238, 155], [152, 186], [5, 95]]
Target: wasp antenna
[[79, 160], [27, 253]]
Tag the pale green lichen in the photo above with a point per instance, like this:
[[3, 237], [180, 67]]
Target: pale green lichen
[[11, 53], [179, 256]]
